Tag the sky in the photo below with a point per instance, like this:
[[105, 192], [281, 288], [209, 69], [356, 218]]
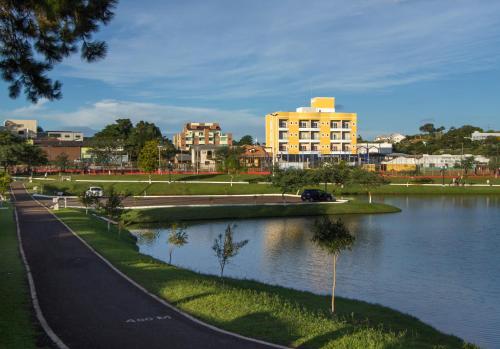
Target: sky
[[397, 63]]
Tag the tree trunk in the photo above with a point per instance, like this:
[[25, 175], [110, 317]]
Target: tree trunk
[[333, 283], [86, 211], [109, 224], [170, 256], [370, 197]]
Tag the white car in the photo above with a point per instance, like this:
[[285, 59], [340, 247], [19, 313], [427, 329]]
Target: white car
[[95, 191]]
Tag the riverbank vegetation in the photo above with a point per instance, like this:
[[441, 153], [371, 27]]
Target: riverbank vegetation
[[16, 326], [172, 214], [254, 309]]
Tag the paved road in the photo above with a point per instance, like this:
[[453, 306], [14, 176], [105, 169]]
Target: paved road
[[187, 200], [88, 305]]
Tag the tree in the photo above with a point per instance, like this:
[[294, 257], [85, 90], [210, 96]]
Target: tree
[[228, 159], [366, 179], [428, 128], [113, 206], [140, 135], [333, 173], [225, 248], [290, 180], [148, 157], [245, 140], [31, 155], [467, 164], [5, 181], [62, 162], [177, 238], [88, 201], [333, 237], [36, 35]]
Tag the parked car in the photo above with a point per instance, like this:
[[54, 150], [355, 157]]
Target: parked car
[[95, 191], [316, 195]]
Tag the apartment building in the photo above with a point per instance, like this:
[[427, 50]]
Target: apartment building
[[22, 128], [311, 132], [201, 133]]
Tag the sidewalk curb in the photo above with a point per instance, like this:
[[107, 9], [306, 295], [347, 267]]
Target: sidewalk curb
[[34, 298]]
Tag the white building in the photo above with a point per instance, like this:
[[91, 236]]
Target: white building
[[391, 138], [65, 135], [481, 136], [374, 148], [432, 161], [22, 128]]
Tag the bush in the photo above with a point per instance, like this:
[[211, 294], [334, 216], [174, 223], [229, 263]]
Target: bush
[[422, 180]]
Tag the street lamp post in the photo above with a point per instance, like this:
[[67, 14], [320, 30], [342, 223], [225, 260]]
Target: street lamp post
[[159, 159]]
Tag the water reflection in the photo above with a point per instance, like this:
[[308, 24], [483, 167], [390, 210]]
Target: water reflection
[[438, 259]]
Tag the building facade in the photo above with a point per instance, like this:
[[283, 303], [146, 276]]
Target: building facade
[[201, 133], [310, 133], [22, 128], [481, 136], [65, 136]]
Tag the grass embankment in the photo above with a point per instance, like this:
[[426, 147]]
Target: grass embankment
[[254, 309], [75, 188], [240, 212], [16, 327]]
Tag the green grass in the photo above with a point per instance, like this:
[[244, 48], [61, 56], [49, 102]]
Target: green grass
[[217, 212], [254, 309], [75, 188], [165, 177], [16, 327], [438, 180]]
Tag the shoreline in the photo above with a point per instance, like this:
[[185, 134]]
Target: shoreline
[[180, 213]]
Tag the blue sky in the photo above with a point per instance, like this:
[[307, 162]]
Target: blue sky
[[397, 64]]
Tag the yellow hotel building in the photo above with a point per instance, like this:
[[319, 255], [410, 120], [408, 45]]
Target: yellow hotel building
[[312, 132]]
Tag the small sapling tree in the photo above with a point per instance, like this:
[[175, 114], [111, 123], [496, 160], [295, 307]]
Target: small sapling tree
[[113, 206], [333, 237], [366, 179], [225, 248], [177, 238], [88, 200]]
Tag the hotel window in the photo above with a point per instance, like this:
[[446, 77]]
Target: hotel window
[[283, 124], [314, 147], [334, 147], [333, 136], [345, 124], [283, 135], [314, 124], [334, 124], [303, 124], [283, 147], [315, 135], [304, 147], [304, 135]]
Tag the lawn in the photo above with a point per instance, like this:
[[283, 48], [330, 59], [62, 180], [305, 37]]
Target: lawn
[[75, 188], [17, 329], [258, 310], [240, 212]]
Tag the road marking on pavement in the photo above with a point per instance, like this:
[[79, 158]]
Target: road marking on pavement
[[149, 318]]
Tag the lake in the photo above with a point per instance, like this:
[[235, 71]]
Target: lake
[[439, 259]]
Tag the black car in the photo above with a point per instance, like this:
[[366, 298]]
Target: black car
[[316, 195]]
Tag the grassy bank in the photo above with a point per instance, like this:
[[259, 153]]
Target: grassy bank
[[271, 313], [75, 188], [16, 326], [238, 212]]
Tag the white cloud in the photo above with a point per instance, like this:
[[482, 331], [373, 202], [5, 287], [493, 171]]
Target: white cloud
[[223, 50], [169, 118], [31, 109]]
